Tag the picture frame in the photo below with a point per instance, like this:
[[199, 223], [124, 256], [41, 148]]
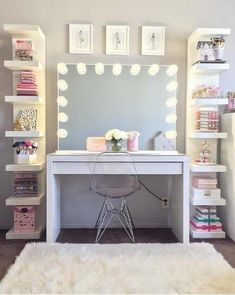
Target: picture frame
[[153, 40], [117, 40], [81, 38]]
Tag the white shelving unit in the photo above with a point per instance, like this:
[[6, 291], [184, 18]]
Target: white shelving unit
[[19, 103], [23, 65], [25, 201], [228, 180], [207, 135], [204, 102], [209, 69], [25, 167], [208, 202], [31, 100], [199, 74], [10, 235], [208, 168], [25, 134], [207, 235]]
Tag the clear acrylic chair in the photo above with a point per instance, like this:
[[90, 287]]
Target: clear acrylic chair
[[114, 182]]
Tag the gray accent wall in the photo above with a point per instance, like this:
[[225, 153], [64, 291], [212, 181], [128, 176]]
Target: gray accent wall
[[180, 17]]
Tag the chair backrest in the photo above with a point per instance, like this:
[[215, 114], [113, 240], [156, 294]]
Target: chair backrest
[[114, 175]]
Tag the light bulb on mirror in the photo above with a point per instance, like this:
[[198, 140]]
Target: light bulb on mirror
[[135, 70], [81, 68], [62, 133], [172, 86], [171, 118], [63, 117], [172, 70], [62, 101], [62, 68], [117, 69], [171, 102], [99, 69], [171, 134], [153, 70], [62, 85]]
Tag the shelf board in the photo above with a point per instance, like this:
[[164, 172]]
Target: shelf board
[[208, 168], [209, 68], [15, 65], [24, 30], [27, 133], [200, 101], [25, 167], [25, 236], [208, 135], [207, 235], [19, 99], [25, 201], [208, 202], [200, 33]]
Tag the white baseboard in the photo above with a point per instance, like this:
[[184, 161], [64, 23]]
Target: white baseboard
[[80, 225], [140, 225]]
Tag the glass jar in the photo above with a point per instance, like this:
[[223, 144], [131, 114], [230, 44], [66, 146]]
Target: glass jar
[[114, 145]]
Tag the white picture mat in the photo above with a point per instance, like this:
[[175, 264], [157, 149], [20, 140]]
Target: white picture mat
[[123, 34], [147, 46], [75, 44]]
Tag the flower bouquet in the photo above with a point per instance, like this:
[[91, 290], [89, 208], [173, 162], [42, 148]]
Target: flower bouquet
[[25, 152], [114, 139]]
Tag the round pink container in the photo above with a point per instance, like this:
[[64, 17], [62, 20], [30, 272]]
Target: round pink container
[[133, 141]]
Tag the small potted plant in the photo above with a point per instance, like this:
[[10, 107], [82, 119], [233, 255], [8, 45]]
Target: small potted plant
[[25, 152], [114, 139]]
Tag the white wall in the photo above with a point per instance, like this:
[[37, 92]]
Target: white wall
[[180, 17]]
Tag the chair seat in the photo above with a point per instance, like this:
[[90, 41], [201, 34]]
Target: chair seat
[[116, 192]]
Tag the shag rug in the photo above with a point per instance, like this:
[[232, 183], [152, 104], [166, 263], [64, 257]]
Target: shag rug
[[121, 268]]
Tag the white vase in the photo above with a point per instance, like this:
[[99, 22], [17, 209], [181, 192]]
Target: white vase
[[26, 158]]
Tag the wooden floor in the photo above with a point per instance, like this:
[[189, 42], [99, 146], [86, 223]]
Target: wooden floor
[[9, 249]]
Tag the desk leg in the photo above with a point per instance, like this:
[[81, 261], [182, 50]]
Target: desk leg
[[53, 204], [179, 205]]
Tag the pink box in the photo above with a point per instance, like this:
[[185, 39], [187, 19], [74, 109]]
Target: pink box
[[24, 219], [204, 182], [96, 144]]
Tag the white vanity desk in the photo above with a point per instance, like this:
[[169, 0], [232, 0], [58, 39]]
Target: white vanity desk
[[146, 162]]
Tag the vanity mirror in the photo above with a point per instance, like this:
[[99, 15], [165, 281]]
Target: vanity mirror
[[95, 98]]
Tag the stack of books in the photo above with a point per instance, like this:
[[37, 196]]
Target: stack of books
[[205, 219], [27, 85], [26, 184]]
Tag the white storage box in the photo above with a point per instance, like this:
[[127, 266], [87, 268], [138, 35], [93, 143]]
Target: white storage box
[[206, 193], [26, 159]]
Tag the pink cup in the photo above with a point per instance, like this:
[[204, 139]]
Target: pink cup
[[133, 141]]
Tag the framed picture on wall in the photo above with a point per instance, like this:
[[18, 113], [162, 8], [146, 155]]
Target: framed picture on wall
[[153, 40], [117, 40], [80, 38]]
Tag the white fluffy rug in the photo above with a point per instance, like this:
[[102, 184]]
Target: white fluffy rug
[[121, 268]]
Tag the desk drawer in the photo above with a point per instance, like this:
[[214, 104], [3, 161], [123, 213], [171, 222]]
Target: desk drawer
[[159, 168]]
